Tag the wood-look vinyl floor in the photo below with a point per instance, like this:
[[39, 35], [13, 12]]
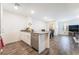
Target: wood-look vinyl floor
[[63, 45], [18, 48], [59, 45]]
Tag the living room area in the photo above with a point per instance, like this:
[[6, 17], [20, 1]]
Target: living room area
[[66, 42]]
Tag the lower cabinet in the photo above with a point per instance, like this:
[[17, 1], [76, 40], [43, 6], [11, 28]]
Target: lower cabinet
[[26, 37]]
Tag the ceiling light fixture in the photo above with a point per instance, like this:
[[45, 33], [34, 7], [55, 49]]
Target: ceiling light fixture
[[32, 11], [45, 17], [16, 6], [77, 16]]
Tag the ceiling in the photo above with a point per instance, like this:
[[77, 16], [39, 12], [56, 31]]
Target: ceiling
[[54, 11]]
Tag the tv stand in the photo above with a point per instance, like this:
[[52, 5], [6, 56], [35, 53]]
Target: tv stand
[[72, 33]]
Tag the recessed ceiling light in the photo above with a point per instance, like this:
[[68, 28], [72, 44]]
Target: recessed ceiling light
[[32, 11], [48, 19], [16, 6], [45, 17], [77, 16]]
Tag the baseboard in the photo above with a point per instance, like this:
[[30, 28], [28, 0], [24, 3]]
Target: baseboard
[[12, 42], [63, 34]]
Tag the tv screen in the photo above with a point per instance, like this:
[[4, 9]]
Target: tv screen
[[74, 28]]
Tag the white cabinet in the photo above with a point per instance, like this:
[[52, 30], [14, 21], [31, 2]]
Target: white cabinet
[[26, 37]]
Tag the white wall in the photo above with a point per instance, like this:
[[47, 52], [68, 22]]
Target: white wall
[[60, 27], [52, 25], [74, 21], [11, 24], [37, 25], [70, 22]]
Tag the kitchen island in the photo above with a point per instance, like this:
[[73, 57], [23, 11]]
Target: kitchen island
[[37, 40], [40, 41], [25, 36]]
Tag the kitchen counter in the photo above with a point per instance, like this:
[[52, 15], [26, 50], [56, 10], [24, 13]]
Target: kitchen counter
[[25, 31], [38, 40], [40, 32], [25, 36]]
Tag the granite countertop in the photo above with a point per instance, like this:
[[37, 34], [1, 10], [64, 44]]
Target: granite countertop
[[25, 31], [40, 32]]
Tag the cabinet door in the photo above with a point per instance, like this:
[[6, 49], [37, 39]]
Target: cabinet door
[[26, 37]]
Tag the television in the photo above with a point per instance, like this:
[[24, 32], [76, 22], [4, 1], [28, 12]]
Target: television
[[74, 28]]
